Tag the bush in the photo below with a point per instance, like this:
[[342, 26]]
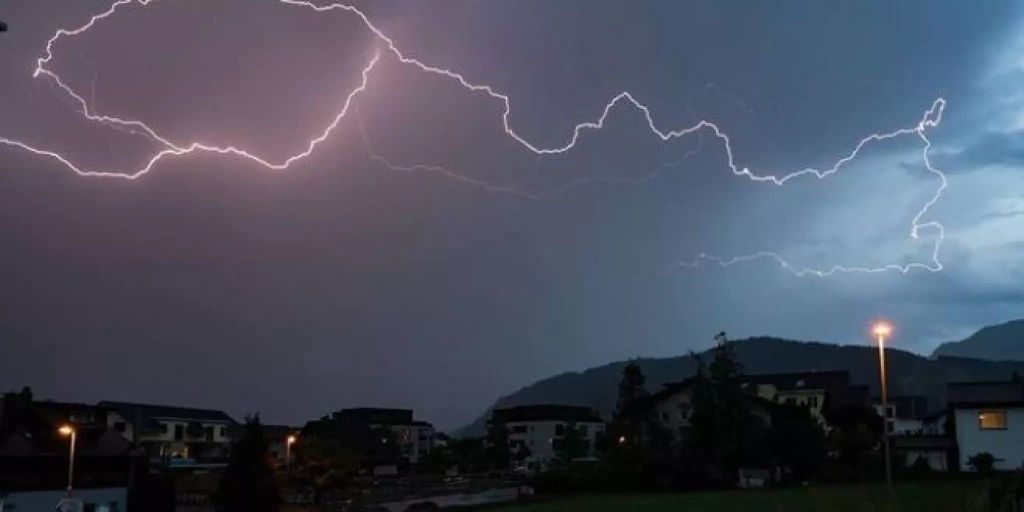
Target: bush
[[983, 463]]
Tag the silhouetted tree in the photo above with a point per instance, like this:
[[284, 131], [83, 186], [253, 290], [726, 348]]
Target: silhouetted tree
[[798, 441], [469, 453], [247, 484], [497, 450], [983, 463], [572, 445], [633, 394]]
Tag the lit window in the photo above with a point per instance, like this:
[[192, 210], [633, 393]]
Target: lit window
[[992, 420]]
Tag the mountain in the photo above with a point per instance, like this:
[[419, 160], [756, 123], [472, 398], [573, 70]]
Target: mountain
[[995, 342], [908, 373]]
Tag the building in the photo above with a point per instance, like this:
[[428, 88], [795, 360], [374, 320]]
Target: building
[[905, 414], [174, 436], [673, 407], [34, 456], [534, 431], [988, 417], [415, 438], [817, 391]]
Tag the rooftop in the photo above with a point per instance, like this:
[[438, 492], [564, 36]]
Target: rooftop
[[143, 412], [985, 392]]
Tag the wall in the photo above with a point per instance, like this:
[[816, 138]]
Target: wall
[[673, 412], [540, 435], [1003, 444]]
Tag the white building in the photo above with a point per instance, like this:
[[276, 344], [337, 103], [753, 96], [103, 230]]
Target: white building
[[535, 431], [989, 417], [173, 434]]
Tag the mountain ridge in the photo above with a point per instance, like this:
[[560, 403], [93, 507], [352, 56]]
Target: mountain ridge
[[1000, 342], [909, 373]]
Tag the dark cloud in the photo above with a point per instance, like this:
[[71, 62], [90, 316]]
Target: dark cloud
[[213, 282]]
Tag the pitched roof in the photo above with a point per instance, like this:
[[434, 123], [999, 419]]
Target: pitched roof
[[985, 393], [148, 412], [827, 380]]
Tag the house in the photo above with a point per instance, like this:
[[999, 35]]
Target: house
[[988, 417], [415, 438], [818, 391], [174, 436], [534, 431], [34, 455], [673, 406], [905, 413]]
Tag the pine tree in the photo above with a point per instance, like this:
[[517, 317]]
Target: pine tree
[[633, 394]]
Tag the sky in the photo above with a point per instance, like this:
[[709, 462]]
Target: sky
[[421, 256]]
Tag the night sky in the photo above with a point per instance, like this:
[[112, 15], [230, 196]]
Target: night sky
[[212, 281]]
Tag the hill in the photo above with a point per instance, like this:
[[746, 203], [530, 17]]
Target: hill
[[995, 342], [908, 373]]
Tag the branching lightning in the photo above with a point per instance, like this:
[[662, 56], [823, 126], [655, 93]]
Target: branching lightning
[[168, 148]]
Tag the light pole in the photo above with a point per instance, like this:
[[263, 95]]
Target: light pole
[[882, 330], [69, 431], [288, 455]]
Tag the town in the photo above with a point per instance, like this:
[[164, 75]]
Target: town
[[717, 429]]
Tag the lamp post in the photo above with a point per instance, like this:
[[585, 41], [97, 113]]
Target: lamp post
[[288, 455], [882, 330], [69, 431]]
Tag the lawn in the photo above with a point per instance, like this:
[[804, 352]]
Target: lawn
[[944, 496]]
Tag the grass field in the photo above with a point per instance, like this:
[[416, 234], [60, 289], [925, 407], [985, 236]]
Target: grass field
[[945, 496]]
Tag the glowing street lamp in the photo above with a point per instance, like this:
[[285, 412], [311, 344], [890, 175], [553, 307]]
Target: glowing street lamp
[[69, 431], [288, 453], [883, 330]]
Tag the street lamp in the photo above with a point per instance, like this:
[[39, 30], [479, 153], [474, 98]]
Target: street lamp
[[882, 330], [288, 454], [69, 431]]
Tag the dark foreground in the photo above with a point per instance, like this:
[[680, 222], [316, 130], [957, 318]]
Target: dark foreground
[[944, 496]]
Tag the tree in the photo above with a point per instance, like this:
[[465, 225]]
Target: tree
[[469, 453], [728, 411], [633, 394], [247, 484], [572, 445], [798, 441], [982, 463], [497, 452], [325, 464]]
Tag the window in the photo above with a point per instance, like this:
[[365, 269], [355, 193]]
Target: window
[[583, 430], [120, 426], [179, 432], [992, 420], [519, 429], [813, 401], [559, 429], [208, 433]]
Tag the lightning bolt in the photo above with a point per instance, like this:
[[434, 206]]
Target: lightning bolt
[[168, 148]]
